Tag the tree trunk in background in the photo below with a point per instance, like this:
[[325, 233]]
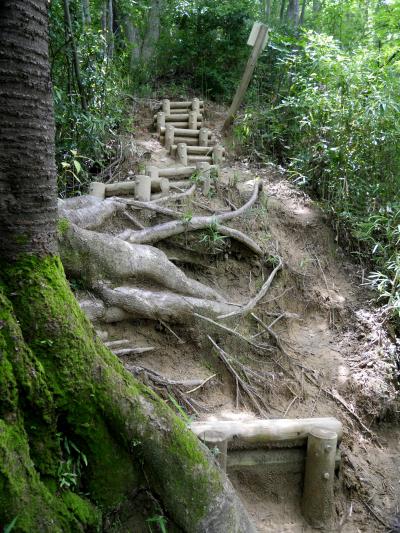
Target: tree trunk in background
[[316, 6], [282, 11], [104, 17], [153, 31], [303, 12], [86, 18], [28, 204], [293, 12], [135, 42], [110, 30], [268, 10], [75, 58]]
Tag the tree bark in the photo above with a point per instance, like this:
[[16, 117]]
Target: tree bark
[[110, 29], [282, 10], [56, 378], [153, 31], [28, 203], [303, 12], [86, 17], [75, 57]]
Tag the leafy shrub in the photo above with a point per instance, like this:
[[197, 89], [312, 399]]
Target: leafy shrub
[[331, 117]]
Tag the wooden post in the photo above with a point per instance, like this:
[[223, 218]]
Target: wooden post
[[218, 444], [203, 137], [196, 105], [169, 137], [166, 106], [152, 172], [181, 152], [142, 188], [317, 501], [204, 170], [97, 189], [193, 120], [218, 154], [160, 122], [251, 63]]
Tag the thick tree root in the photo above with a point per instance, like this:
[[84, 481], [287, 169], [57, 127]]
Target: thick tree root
[[176, 227], [88, 212], [98, 256], [157, 305], [121, 425]]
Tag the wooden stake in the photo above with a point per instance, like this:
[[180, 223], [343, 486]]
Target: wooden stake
[[160, 121], [169, 137], [218, 444], [251, 63], [166, 106], [196, 105], [317, 501], [218, 154], [193, 120], [181, 152], [203, 136], [143, 188]]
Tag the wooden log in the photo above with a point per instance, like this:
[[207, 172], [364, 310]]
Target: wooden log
[[169, 136], [193, 123], [196, 150], [218, 154], [179, 117], [160, 185], [186, 132], [97, 189], [152, 171], [185, 110], [166, 106], [184, 125], [143, 188], [160, 121], [317, 501], [120, 188], [185, 103], [244, 83], [204, 135], [282, 459], [182, 156], [218, 445], [188, 140], [204, 173], [177, 172], [274, 430], [196, 105], [195, 158]]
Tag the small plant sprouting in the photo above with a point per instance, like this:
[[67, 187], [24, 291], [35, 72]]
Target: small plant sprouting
[[184, 415], [160, 521], [213, 239], [187, 216], [71, 465]]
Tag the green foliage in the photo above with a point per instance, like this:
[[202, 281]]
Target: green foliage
[[160, 521], [330, 116], [212, 239], [71, 464], [203, 43]]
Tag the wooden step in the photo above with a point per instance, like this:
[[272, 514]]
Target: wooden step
[[181, 132], [178, 117]]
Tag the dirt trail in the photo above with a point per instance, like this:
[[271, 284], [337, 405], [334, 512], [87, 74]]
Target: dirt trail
[[326, 324]]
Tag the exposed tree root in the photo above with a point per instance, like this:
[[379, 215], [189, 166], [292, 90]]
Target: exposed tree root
[[169, 229], [98, 256], [224, 230], [88, 212]]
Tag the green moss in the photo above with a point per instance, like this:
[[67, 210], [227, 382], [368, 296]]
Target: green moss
[[118, 423], [83, 510], [62, 225]]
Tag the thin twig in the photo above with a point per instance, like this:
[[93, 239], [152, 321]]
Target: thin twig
[[181, 341], [254, 301], [201, 384], [233, 332]]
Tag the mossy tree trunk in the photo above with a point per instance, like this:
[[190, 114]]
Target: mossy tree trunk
[[58, 383]]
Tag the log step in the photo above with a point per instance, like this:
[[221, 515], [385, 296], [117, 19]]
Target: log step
[[197, 158], [184, 103], [183, 125], [178, 117], [267, 431], [184, 132], [196, 150]]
